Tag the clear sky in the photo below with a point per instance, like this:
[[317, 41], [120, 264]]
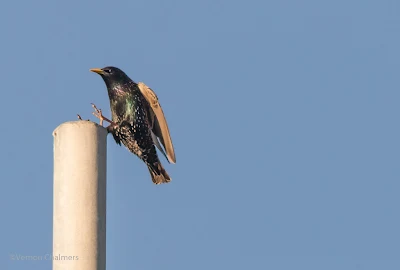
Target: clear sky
[[284, 116]]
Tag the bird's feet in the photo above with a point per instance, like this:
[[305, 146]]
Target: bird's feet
[[102, 118], [98, 114], [80, 118]]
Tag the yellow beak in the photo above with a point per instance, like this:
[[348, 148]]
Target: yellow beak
[[97, 70]]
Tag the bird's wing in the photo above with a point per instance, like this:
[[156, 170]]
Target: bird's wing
[[160, 127], [157, 143], [152, 118]]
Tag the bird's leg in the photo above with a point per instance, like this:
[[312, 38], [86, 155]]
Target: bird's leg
[[102, 118]]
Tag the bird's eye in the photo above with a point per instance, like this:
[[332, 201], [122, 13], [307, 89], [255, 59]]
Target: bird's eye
[[107, 70]]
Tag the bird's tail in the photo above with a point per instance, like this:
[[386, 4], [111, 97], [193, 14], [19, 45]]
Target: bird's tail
[[158, 173]]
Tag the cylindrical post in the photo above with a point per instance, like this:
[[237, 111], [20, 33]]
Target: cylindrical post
[[79, 196]]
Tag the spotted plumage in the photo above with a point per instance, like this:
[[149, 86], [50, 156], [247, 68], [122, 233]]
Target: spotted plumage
[[134, 123]]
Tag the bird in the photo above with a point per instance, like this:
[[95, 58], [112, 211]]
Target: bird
[[138, 121]]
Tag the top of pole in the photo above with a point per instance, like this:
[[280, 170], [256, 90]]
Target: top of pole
[[78, 124]]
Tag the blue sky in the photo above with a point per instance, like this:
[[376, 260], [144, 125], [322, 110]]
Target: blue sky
[[284, 116]]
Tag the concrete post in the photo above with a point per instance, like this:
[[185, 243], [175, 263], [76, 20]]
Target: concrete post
[[79, 196]]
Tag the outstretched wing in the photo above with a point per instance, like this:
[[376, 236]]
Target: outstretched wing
[[159, 123]]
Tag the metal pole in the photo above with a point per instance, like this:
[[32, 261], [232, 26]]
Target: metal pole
[[79, 196]]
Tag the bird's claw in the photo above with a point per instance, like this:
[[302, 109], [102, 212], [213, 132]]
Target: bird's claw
[[98, 114], [80, 118]]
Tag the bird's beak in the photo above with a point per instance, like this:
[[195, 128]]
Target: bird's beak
[[97, 70]]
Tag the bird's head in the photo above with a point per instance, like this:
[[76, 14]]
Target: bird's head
[[112, 76]]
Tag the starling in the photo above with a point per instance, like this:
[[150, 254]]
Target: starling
[[137, 121]]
